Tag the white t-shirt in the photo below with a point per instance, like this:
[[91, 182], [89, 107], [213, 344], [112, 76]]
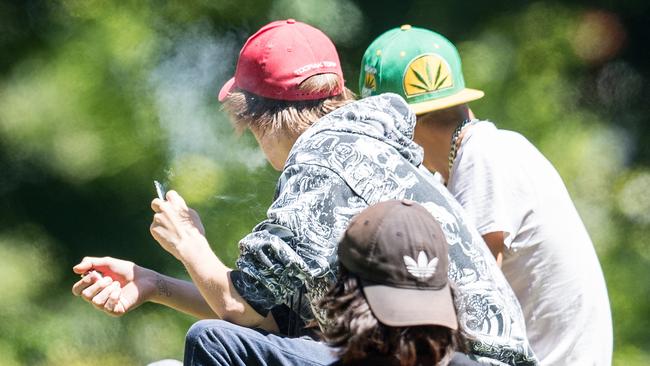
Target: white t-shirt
[[505, 184]]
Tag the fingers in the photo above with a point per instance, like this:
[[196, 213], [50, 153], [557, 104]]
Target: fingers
[[102, 292], [113, 298], [160, 219], [89, 263], [91, 291], [114, 306], [82, 284], [161, 207], [159, 225], [101, 298], [176, 200], [158, 232], [157, 205]]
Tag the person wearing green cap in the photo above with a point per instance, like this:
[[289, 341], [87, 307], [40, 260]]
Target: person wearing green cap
[[514, 195]]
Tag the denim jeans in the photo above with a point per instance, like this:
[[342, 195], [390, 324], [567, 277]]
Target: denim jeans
[[218, 342]]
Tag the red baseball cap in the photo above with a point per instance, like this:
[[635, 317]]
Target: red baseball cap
[[280, 56]]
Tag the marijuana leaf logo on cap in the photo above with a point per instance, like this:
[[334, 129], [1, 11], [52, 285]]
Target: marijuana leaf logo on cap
[[425, 74]]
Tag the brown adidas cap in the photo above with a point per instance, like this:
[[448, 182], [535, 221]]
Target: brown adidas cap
[[399, 252]]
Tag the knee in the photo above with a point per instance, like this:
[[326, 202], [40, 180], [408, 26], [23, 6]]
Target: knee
[[201, 330], [207, 344]]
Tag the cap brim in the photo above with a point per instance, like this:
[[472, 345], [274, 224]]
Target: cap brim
[[464, 96], [226, 89], [402, 307]]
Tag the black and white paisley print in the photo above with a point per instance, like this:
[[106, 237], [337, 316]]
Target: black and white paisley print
[[352, 158]]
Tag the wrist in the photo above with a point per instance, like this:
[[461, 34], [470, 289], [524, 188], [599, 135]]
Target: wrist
[[158, 288], [194, 249], [146, 283]]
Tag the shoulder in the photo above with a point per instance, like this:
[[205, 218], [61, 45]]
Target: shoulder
[[485, 143], [486, 133], [481, 135]]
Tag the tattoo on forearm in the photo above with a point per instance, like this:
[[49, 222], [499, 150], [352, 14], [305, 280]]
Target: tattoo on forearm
[[163, 288]]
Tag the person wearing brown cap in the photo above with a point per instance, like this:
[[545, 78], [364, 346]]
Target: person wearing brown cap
[[336, 156], [392, 303]]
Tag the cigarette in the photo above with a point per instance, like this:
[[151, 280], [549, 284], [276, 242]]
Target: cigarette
[[160, 189]]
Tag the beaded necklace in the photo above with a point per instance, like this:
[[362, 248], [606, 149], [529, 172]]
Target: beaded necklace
[[454, 143]]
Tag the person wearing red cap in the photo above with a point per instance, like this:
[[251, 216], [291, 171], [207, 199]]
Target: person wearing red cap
[[337, 156]]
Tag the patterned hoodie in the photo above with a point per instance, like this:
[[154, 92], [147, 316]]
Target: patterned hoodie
[[352, 158]]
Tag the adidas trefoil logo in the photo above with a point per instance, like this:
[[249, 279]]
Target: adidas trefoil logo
[[423, 268]]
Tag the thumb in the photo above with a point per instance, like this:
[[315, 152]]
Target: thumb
[[176, 200], [89, 263]]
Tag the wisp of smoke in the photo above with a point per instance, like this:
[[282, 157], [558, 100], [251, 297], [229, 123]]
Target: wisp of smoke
[[185, 85]]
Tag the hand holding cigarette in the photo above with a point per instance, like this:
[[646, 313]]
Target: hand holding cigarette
[[176, 227]]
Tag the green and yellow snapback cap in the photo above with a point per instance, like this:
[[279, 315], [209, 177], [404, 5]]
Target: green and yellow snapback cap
[[420, 65]]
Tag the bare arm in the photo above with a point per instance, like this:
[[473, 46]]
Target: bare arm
[[212, 278], [186, 297], [117, 286], [181, 295], [494, 241], [176, 228]]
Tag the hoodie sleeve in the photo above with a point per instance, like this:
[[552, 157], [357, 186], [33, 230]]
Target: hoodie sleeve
[[296, 244]]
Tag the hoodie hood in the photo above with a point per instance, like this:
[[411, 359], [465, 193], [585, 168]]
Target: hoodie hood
[[386, 117]]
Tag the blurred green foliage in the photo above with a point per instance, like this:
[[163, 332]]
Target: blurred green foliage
[[98, 98]]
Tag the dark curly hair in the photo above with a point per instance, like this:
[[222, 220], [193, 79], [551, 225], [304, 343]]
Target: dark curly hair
[[352, 327]]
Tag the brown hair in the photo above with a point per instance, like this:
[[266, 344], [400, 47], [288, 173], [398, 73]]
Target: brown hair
[[360, 336], [248, 110]]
